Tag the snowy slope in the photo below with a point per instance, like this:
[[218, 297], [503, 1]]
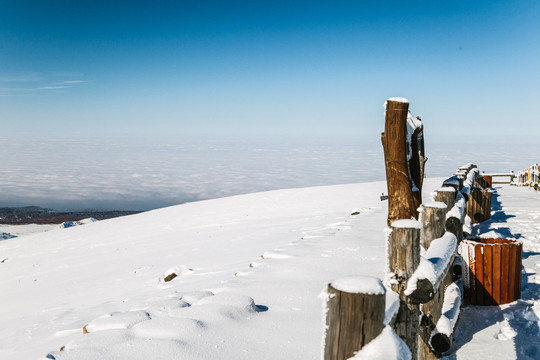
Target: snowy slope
[[278, 249], [250, 269]]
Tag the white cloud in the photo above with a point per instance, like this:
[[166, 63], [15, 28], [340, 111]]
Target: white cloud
[[53, 87]]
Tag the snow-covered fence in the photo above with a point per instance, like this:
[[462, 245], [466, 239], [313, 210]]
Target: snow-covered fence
[[529, 177], [425, 281], [501, 178]]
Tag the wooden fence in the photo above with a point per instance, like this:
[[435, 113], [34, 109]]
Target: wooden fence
[[529, 177], [501, 178], [428, 285]]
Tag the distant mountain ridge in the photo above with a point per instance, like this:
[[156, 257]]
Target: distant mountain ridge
[[39, 215]]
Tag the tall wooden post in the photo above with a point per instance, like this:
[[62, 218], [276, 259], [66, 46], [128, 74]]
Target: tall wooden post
[[401, 203], [356, 310], [403, 251]]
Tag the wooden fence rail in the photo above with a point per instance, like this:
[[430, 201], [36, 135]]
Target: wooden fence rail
[[529, 177]]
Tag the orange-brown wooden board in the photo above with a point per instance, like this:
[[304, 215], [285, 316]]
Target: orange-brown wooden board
[[479, 270], [497, 274], [511, 273], [488, 276], [504, 274]]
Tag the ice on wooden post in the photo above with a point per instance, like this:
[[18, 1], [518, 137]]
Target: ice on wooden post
[[422, 285], [355, 315], [442, 336]]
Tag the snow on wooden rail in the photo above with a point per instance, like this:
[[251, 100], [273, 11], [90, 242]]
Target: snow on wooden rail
[[433, 267], [510, 177], [441, 337]]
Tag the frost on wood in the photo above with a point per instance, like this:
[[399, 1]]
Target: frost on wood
[[386, 346], [432, 267], [359, 285]]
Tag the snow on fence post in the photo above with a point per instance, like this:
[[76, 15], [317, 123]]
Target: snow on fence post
[[355, 315], [403, 251], [402, 204]]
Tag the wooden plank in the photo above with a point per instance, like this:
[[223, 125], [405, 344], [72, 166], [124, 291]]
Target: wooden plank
[[504, 274], [479, 271], [511, 273], [466, 273], [488, 275], [472, 274], [497, 274], [519, 254]]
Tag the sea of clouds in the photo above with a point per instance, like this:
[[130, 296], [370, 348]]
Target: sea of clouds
[[140, 173]]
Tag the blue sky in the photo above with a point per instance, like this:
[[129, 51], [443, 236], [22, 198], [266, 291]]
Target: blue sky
[[279, 67]]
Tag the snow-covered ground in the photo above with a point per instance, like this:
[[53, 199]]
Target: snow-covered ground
[[249, 269], [510, 331]]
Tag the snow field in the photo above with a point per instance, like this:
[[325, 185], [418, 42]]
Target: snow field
[[249, 272], [260, 260]]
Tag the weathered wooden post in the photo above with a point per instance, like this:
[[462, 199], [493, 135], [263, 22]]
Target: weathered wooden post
[[446, 195], [401, 202], [403, 251], [355, 315], [433, 227], [433, 222]]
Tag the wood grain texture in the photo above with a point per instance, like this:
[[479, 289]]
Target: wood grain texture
[[401, 203], [353, 320]]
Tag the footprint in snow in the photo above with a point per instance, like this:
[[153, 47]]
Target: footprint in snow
[[268, 255], [506, 332]]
